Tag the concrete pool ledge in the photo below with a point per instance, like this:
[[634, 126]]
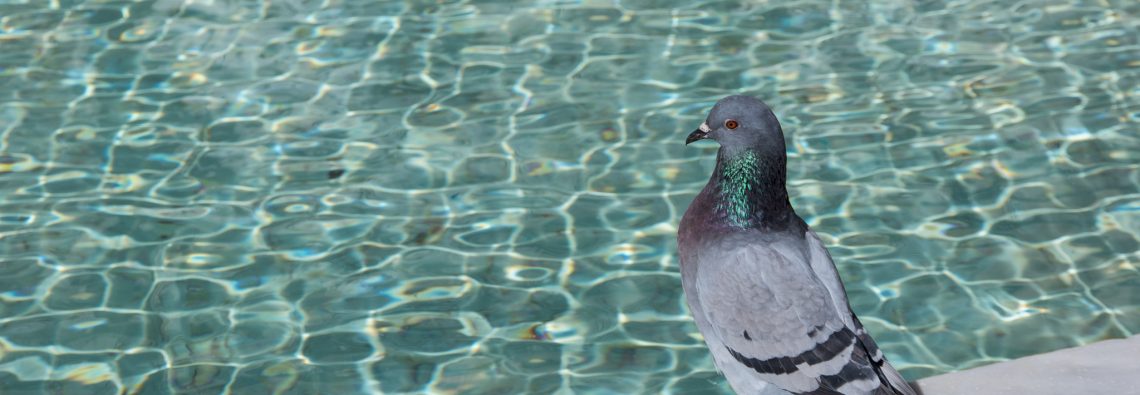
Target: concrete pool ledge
[[1106, 367]]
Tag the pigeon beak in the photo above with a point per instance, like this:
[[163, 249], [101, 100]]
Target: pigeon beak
[[699, 134]]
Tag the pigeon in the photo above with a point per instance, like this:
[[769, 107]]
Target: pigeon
[[761, 286]]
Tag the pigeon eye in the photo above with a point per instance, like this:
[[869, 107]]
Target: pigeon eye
[[731, 124]]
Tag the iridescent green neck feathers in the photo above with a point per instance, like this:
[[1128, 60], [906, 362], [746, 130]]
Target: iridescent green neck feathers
[[737, 185], [750, 190]]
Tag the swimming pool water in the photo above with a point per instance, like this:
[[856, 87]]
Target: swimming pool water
[[301, 197]]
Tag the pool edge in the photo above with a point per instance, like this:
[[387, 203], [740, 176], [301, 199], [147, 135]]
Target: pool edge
[[1104, 367]]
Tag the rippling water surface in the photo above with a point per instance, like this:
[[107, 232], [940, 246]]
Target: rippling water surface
[[300, 197]]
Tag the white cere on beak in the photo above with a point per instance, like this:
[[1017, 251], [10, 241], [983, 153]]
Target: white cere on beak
[[704, 127]]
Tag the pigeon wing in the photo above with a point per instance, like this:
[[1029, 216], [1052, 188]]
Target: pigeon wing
[[778, 312]]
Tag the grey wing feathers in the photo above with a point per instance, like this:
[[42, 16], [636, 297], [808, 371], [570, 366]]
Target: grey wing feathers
[[892, 382], [786, 321]]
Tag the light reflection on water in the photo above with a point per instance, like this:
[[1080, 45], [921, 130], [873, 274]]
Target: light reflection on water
[[482, 197]]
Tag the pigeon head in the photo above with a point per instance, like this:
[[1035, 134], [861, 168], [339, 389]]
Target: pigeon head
[[747, 186], [741, 123]]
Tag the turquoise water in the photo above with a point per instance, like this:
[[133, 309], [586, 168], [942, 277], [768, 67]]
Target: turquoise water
[[342, 197]]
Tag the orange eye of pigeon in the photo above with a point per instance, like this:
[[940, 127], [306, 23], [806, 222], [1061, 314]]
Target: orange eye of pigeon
[[731, 124]]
